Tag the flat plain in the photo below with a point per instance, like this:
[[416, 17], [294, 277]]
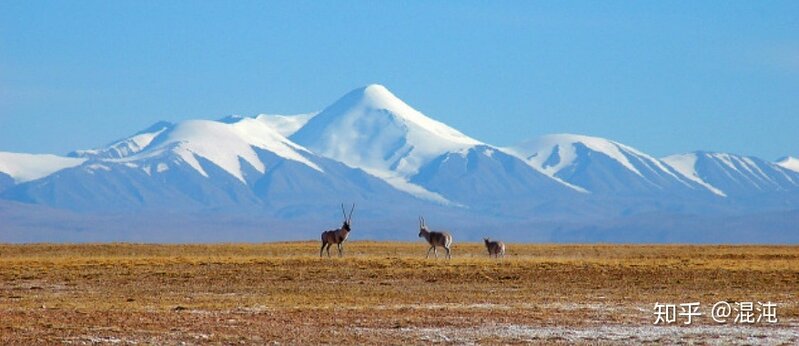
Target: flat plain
[[388, 293]]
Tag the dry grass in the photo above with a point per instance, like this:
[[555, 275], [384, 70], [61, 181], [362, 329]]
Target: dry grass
[[384, 292]]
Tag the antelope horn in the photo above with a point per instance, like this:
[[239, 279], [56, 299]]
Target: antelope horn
[[349, 219], [343, 212]]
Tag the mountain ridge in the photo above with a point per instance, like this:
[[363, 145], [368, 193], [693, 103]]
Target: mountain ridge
[[371, 147]]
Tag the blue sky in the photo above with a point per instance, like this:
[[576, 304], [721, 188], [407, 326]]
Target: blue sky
[[665, 77]]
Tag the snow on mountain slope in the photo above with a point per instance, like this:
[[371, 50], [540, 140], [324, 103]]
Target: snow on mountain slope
[[125, 147], [789, 162], [371, 129], [735, 174], [113, 185], [224, 143], [371, 146], [473, 176], [27, 167], [597, 165], [536, 151], [199, 165], [286, 125], [686, 165]]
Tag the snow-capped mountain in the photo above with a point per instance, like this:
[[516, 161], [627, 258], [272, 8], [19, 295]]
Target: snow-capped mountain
[[483, 175], [127, 146], [230, 163], [600, 166], [371, 129], [789, 162], [734, 175], [286, 125], [26, 167], [227, 144], [372, 148]]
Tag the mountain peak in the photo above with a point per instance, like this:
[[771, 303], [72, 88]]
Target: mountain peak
[[376, 89], [789, 162], [373, 96], [378, 96], [539, 151], [371, 128], [567, 158]]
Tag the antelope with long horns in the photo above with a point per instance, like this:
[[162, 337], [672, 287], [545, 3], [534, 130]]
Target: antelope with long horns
[[435, 239], [495, 248], [337, 236]]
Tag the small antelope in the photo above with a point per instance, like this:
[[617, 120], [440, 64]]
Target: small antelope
[[443, 239], [496, 248], [337, 236]]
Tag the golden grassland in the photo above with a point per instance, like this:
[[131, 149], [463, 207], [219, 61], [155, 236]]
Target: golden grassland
[[384, 292]]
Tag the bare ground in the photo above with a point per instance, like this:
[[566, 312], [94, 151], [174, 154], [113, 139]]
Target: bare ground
[[384, 292]]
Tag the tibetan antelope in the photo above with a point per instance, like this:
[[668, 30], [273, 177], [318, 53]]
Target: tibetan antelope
[[435, 239], [337, 236], [496, 248]]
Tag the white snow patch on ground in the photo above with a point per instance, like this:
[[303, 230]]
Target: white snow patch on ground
[[784, 332], [623, 334]]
